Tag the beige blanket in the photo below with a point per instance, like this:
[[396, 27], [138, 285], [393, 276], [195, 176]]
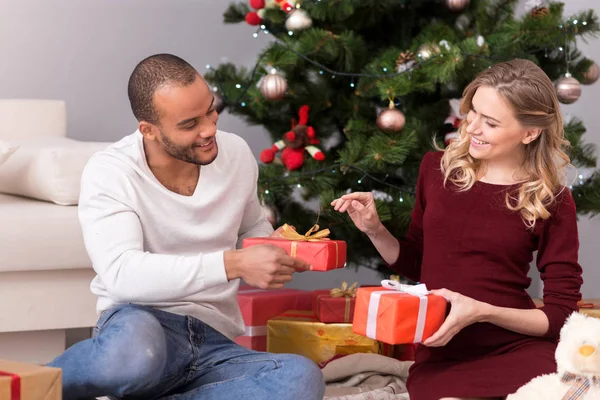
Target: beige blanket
[[365, 376]]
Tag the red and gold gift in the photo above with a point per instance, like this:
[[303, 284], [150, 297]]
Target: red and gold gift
[[314, 247], [335, 305], [19, 381], [258, 306], [396, 314], [299, 332]]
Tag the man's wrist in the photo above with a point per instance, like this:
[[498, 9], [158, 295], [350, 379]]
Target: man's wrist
[[231, 259]]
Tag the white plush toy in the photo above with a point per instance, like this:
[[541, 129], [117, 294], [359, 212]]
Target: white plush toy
[[578, 360]]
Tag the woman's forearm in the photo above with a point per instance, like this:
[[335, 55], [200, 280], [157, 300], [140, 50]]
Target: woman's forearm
[[385, 243], [527, 322]]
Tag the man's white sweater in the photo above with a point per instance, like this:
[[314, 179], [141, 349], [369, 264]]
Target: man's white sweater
[[154, 247]]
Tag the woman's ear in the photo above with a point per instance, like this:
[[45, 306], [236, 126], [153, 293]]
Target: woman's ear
[[531, 135]]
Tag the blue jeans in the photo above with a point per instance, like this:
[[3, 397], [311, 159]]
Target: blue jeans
[[139, 352]]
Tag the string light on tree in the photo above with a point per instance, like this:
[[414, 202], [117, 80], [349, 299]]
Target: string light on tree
[[391, 120], [273, 86]]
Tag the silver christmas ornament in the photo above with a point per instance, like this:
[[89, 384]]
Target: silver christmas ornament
[[591, 75], [298, 20], [273, 86], [457, 5], [391, 120], [568, 89], [218, 104]]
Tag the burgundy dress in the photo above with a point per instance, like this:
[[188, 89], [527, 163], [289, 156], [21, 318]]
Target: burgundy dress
[[471, 243]]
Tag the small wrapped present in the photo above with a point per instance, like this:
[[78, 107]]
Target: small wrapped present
[[299, 332], [19, 381], [314, 247], [335, 305], [397, 314], [258, 306]]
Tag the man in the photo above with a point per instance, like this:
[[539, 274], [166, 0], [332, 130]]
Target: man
[[162, 211]]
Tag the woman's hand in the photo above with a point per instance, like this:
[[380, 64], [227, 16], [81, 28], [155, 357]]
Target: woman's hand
[[361, 209], [464, 312]]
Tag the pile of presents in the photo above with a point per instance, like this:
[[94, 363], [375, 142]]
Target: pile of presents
[[326, 324]]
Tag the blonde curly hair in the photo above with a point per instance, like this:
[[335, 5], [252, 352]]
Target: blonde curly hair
[[532, 97]]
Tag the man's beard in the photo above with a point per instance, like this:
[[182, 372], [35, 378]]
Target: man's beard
[[185, 153]]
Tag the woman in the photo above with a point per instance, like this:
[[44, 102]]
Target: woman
[[483, 206]]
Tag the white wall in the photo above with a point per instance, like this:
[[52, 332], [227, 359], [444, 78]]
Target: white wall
[[84, 50]]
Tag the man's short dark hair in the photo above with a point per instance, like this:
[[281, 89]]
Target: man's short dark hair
[[150, 75]]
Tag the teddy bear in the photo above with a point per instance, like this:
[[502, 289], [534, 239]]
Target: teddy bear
[[578, 361], [301, 138], [256, 17]]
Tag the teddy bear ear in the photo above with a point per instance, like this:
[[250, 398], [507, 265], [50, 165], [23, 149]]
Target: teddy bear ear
[[573, 322]]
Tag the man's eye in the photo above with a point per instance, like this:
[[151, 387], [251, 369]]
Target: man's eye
[[191, 126]]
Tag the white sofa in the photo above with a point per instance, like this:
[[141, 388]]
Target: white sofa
[[45, 272]]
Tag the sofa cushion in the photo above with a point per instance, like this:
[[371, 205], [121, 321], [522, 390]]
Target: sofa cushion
[[6, 150], [48, 169], [37, 235]]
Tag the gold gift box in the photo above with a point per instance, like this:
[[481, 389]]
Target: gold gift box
[[300, 332]]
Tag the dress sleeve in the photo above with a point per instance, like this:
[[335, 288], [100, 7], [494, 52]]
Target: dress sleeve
[[557, 261], [411, 247]]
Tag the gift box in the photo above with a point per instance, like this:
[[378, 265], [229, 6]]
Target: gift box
[[397, 314], [19, 381], [258, 306], [299, 332], [315, 248], [335, 305]]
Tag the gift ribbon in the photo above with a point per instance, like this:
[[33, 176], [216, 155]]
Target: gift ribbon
[[15, 385], [312, 235], [258, 330], [348, 293], [395, 287]]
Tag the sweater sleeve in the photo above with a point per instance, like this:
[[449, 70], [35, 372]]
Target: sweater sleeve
[[114, 241], [557, 261], [254, 222], [411, 246]]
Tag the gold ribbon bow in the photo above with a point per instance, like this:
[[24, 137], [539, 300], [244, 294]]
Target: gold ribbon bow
[[395, 278], [580, 385], [344, 290], [289, 233]]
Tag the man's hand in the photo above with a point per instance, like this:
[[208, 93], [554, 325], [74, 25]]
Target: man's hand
[[464, 312], [264, 266]]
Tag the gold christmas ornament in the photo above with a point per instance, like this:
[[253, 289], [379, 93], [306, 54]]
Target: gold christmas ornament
[[426, 51], [568, 89], [457, 5], [298, 20], [391, 120], [273, 86], [591, 75]]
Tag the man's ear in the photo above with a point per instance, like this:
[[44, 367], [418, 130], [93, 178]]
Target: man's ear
[[149, 131], [531, 135]]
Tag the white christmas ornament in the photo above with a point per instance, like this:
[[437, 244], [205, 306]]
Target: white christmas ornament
[[298, 20]]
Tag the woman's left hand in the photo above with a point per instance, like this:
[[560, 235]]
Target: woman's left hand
[[464, 312]]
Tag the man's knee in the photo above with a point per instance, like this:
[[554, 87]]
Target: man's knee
[[304, 376], [134, 351]]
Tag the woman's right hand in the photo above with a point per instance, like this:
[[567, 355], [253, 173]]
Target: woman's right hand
[[361, 209]]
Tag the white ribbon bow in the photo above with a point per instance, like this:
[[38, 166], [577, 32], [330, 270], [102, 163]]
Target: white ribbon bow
[[393, 288]]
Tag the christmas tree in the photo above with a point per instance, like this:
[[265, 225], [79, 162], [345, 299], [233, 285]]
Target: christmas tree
[[355, 92]]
